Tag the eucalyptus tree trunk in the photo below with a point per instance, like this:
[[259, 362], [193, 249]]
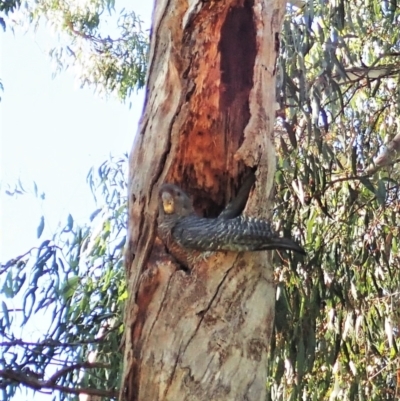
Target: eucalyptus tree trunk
[[208, 119]]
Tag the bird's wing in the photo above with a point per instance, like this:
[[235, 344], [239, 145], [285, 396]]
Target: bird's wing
[[236, 206], [239, 234]]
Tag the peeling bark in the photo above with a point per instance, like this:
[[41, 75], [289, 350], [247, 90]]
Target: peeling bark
[[208, 118]]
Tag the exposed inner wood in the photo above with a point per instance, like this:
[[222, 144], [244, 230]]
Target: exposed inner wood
[[207, 119]]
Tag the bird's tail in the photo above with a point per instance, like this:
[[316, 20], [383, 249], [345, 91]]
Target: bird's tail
[[285, 244]]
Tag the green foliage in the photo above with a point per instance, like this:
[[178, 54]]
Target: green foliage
[[337, 313], [106, 51], [7, 7], [337, 318], [74, 285]]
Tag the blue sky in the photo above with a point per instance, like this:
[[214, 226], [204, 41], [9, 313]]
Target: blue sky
[[52, 132]]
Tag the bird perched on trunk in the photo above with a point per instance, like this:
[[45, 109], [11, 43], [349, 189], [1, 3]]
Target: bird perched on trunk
[[187, 235]]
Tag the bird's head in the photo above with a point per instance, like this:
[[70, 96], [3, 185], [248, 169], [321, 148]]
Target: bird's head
[[173, 201]]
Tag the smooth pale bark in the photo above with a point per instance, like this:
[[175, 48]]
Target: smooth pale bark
[[208, 118]]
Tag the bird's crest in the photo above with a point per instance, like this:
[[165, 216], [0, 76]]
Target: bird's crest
[[173, 201]]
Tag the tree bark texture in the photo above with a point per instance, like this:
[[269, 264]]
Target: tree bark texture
[[208, 118]]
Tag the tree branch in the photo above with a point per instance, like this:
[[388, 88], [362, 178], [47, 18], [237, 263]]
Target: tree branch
[[33, 382]]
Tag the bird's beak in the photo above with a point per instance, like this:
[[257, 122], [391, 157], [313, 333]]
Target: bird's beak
[[168, 203]]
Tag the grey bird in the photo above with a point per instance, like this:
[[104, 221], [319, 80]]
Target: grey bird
[[187, 235]]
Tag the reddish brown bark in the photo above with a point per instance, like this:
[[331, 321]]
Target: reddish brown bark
[[208, 117]]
